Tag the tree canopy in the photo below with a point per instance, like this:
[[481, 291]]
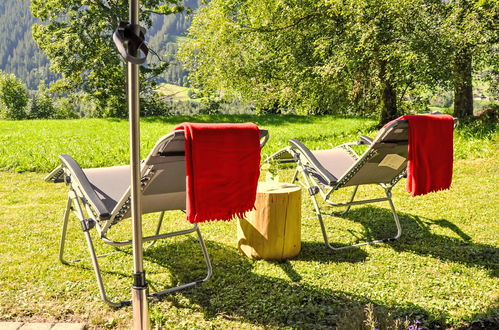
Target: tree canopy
[[472, 26], [76, 35], [325, 56], [13, 97]]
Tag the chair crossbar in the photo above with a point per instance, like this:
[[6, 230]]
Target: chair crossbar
[[150, 238]]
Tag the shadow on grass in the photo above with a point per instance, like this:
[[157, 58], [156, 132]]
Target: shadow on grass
[[418, 238], [317, 251], [236, 292], [487, 320]]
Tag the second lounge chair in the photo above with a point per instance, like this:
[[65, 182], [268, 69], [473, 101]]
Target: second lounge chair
[[324, 172]]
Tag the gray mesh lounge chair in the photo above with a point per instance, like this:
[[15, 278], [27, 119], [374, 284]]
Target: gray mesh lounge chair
[[325, 171], [100, 199]]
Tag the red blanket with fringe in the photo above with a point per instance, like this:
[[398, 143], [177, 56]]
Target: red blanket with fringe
[[222, 164], [430, 153]]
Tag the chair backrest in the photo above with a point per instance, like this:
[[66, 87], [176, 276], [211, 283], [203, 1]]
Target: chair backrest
[[386, 159], [163, 177]]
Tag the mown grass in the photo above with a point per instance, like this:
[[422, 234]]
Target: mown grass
[[443, 272], [33, 145]]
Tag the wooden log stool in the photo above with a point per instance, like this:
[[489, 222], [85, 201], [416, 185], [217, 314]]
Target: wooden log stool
[[273, 229]]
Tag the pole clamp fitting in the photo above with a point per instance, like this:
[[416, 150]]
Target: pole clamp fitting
[[130, 44], [87, 224], [313, 190], [139, 280]]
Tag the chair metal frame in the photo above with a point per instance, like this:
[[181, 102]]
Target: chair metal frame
[[317, 181], [92, 214], [314, 186]]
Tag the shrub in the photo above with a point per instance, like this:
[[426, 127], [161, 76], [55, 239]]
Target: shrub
[[41, 104], [65, 108], [13, 97], [153, 105], [115, 106], [489, 113]]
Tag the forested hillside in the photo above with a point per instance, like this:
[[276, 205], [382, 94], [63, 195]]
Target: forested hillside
[[20, 55], [162, 38], [18, 52]]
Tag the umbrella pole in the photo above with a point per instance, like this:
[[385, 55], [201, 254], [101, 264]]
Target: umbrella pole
[[139, 288]]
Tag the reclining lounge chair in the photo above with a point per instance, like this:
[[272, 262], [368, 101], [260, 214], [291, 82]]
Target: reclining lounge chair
[[323, 172], [100, 199]]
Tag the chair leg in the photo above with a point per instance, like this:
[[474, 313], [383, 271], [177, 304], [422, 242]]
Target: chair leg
[[188, 285], [158, 228], [205, 254], [321, 222], [395, 216], [98, 275], [86, 225], [64, 231], [295, 176], [324, 232]]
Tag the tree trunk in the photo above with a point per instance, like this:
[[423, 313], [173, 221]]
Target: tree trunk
[[388, 98], [463, 92]]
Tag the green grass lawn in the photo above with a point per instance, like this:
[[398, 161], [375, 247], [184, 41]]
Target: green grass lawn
[[442, 272], [33, 146]]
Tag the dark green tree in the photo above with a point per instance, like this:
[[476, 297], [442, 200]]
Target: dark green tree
[[317, 56], [41, 104], [76, 35], [19, 54], [13, 97]]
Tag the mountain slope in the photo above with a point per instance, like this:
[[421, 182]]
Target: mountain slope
[[20, 55]]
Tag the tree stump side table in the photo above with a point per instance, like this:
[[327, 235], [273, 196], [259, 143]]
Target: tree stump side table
[[273, 230]]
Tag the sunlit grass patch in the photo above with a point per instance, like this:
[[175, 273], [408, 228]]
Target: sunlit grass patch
[[34, 145], [443, 270]]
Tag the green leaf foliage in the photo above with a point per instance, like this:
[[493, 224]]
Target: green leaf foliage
[[76, 35], [315, 56], [20, 55], [13, 97], [41, 104], [472, 28], [328, 56]]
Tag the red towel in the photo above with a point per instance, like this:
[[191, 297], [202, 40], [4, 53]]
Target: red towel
[[430, 153], [222, 164]]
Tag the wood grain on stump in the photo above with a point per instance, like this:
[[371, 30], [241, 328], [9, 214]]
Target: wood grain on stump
[[273, 229]]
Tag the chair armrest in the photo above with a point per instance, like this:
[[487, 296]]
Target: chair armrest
[[313, 161], [56, 176], [80, 180], [365, 140]]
